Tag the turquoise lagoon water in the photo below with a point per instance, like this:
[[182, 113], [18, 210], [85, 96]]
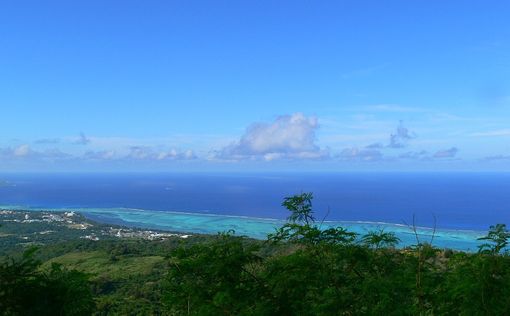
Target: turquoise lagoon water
[[259, 227], [461, 205]]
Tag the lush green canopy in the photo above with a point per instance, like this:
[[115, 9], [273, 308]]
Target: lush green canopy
[[300, 269]]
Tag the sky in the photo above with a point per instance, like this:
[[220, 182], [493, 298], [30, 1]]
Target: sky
[[254, 85]]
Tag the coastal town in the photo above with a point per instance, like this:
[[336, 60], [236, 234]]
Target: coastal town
[[27, 228]]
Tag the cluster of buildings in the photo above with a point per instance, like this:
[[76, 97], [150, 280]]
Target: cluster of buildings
[[73, 220], [145, 234], [32, 217], [133, 233]]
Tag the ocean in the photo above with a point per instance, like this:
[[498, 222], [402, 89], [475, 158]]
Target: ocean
[[460, 205]]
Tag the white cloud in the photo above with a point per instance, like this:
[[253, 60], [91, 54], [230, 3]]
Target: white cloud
[[25, 152], [100, 155], [173, 154], [141, 152], [288, 137], [425, 156], [357, 154], [149, 153], [415, 155], [22, 151]]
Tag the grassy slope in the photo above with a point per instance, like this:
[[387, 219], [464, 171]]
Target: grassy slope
[[99, 264]]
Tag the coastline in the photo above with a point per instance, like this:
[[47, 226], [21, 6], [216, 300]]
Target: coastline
[[258, 228]]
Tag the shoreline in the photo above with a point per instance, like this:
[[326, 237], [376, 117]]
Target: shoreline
[[258, 228], [205, 214]]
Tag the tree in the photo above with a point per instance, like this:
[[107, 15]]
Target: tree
[[214, 278], [301, 227], [380, 238], [25, 289], [497, 238], [300, 207]]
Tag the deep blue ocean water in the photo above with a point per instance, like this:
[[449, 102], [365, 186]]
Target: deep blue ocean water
[[454, 201]]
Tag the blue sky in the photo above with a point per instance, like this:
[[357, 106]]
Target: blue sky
[[254, 85]]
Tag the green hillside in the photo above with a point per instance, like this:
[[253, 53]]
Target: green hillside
[[299, 270]]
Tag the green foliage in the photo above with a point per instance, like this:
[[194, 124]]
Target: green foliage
[[314, 271], [302, 229], [313, 235], [302, 269], [25, 290], [214, 278], [477, 284], [498, 239], [380, 238], [300, 207]]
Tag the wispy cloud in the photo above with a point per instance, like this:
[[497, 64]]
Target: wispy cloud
[[497, 158], [357, 154], [44, 141], [375, 146], [395, 108], [447, 153], [494, 133], [415, 155], [100, 155]]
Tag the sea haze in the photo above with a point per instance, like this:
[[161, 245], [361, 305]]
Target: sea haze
[[470, 201]]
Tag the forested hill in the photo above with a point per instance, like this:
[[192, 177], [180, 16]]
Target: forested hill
[[300, 269]]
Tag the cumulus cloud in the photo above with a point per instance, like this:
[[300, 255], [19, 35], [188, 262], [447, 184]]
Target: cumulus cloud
[[100, 155], [400, 138], [23, 151], [26, 152], [148, 153], [415, 155], [82, 140], [288, 137], [174, 154], [424, 155], [447, 153], [19, 152], [141, 152], [356, 154]]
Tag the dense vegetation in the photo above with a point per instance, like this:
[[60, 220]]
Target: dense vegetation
[[300, 269], [25, 290]]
